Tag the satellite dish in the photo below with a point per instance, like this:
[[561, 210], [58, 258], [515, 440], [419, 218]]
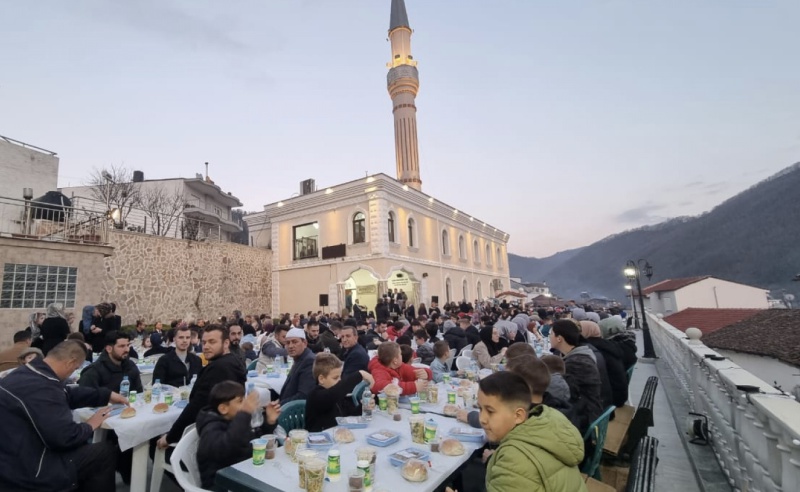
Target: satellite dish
[[789, 297]]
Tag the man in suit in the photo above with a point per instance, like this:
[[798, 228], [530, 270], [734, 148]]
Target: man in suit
[[300, 381], [355, 356]]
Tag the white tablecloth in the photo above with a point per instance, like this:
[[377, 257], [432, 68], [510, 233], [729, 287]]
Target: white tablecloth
[[281, 473], [275, 383], [139, 429]]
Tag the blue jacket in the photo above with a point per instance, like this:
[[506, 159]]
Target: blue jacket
[[301, 381], [355, 359], [38, 430]]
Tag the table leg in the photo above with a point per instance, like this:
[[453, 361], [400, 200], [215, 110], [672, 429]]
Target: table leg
[[139, 467], [99, 435]]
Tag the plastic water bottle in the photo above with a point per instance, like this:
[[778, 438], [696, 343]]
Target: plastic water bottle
[[194, 380], [157, 391], [258, 416], [125, 387], [366, 404], [539, 349]]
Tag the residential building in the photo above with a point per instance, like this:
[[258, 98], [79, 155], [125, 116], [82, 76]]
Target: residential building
[[673, 295]]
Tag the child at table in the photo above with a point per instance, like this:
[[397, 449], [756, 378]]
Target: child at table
[[538, 448], [224, 429], [329, 399], [441, 350]]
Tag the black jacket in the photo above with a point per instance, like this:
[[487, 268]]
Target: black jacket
[[103, 373], [473, 335], [370, 337], [605, 385], [171, 370], [583, 378], [300, 381], [617, 379], [38, 430], [324, 405], [157, 350], [355, 359], [382, 312], [54, 331], [224, 442], [226, 367], [456, 338], [98, 340], [328, 340]]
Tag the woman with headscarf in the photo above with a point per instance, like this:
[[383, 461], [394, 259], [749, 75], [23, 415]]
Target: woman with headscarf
[[488, 351], [613, 357], [101, 327], [55, 327], [35, 320]]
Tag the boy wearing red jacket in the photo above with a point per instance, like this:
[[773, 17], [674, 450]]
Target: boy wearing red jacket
[[388, 365]]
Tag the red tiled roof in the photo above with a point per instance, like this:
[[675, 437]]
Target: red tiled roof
[[708, 320], [771, 333], [511, 293], [672, 284]]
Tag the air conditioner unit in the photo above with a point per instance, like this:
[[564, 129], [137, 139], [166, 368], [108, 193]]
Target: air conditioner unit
[[308, 186]]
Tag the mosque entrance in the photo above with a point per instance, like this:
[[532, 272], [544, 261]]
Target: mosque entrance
[[405, 282], [362, 288]]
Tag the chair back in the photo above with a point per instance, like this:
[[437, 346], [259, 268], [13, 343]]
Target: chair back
[[358, 391], [252, 365], [630, 373], [466, 347], [463, 363], [293, 415], [186, 452], [594, 439], [466, 353]]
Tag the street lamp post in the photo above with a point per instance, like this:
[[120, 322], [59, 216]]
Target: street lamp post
[[633, 303], [633, 271]]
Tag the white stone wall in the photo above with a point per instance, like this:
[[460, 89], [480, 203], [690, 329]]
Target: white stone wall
[[22, 167]]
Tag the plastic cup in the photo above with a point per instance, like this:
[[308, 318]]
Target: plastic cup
[[168, 398], [304, 456], [370, 455], [382, 401], [365, 467], [433, 394], [296, 439], [446, 378], [430, 431], [270, 369], [392, 403], [417, 423], [355, 481], [414, 404], [259, 451], [132, 397], [272, 445], [451, 396], [148, 395], [315, 474]]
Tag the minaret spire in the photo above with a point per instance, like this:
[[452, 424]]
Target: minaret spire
[[403, 84]]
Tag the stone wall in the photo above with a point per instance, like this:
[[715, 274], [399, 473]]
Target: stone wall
[[155, 278]]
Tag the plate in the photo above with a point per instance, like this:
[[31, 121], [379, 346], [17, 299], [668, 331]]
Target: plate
[[352, 422], [399, 458], [467, 434]]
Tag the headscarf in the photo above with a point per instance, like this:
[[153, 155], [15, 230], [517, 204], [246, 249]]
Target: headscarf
[[104, 309], [86, 318], [56, 310], [589, 329], [155, 339], [486, 338], [34, 327], [579, 314]]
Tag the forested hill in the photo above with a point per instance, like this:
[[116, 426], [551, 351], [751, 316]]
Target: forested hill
[[753, 238]]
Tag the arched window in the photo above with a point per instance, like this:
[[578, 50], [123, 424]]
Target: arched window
[[390, 224], [410, 233], [476, 252], [499, 259], [465, 290], [480, 291], [448, 290], [488, 255], [445, 243], [462, 248], [359, 228]]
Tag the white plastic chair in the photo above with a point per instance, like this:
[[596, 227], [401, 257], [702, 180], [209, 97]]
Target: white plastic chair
[[463, 363], [160, 464], [466, 347], [186, 453], [450, 359], [417, 360], [466, 353]]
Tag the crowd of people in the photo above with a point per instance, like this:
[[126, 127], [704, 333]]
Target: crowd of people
[[536, 410]]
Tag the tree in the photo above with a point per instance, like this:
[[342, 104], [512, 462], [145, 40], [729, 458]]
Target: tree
[[163, 206], [242, 237], [114, 187]]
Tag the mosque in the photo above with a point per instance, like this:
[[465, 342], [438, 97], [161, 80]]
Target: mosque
[[354, 241]]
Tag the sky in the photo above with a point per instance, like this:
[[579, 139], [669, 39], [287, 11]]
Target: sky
[[559, 122]]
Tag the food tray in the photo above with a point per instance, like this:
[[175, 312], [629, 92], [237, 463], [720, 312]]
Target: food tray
[[467, 434], [383, 438], [252, 374], [319, 441], [399, 458], [352, 422], [115, 409]]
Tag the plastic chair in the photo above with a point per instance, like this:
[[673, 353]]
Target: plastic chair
[[417, 360], [463, 363], [160, 464], [252, 365], [186, 453], [293, 415], [466, 347], [466, 353], [594, 440], [358, 391]]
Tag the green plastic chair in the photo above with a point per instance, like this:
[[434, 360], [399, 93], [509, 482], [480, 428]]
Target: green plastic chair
[[252, 365], [630, 373], [293, 415], [594, 439], [358, 391]]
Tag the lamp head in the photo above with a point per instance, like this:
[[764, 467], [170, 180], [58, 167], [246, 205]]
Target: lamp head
[[27, 193], [648, 270], [629, 272]]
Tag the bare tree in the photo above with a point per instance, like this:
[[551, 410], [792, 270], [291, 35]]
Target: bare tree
[[164, 207], [114, 186]]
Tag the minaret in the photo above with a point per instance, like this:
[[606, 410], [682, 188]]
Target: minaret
[[403, 84]]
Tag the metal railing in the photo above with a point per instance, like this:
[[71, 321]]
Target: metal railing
[[90, 221]]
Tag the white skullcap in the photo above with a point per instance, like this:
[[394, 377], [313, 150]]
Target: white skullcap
[[296, 333]]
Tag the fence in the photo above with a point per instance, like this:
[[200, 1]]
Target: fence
[[755, 429], [89, 221]]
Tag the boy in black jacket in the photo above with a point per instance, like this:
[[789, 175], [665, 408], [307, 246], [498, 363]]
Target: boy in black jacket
[[329, 399], [224, 428]]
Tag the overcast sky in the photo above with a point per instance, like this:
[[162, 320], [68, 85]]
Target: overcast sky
[[558, 122]]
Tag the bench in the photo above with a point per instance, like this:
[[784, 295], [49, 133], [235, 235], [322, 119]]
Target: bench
[[629, 424], [642, 476]]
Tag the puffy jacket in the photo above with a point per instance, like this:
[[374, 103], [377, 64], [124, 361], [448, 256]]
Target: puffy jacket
[[38, 430], [456, 338], [540, 454], [404, 374], [584, 382], [103, 373], [171, 370], [617, 379]]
